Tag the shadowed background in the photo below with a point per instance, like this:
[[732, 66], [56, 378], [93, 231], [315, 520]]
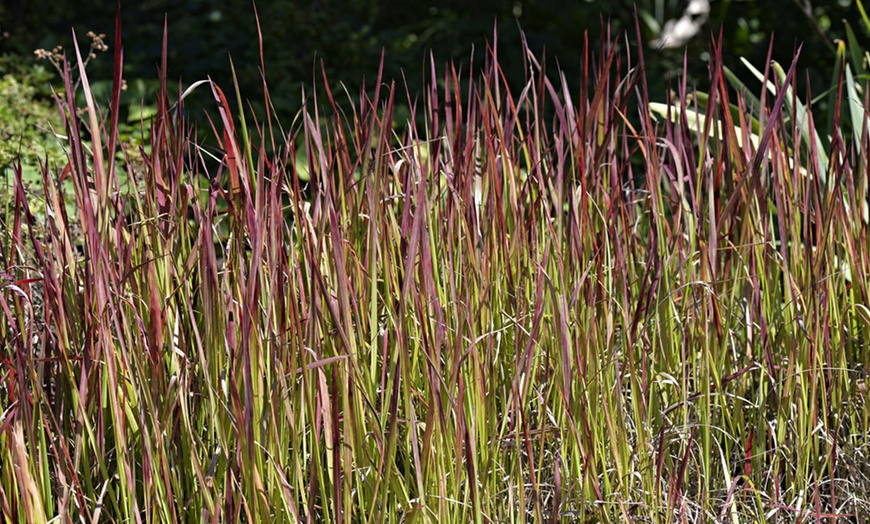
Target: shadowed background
[[348, 37]]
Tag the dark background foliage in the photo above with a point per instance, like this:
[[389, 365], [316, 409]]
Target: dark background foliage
[[348, 37]]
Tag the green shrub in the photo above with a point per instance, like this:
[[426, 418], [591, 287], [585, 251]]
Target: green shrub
[[28, 119]]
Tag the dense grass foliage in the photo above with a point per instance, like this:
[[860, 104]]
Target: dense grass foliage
[[489, 317]]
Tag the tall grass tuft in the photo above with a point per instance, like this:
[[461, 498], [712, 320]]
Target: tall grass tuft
[[533, 303]]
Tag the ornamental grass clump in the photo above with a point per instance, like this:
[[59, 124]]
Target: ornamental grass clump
[[532, 303]]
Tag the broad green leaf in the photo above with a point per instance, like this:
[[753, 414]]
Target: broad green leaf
[[864, 17], [703, 98], [854, 48], [833, 119], [802, 119], [856, 109], [697, 120], [744, 91], [140, 112]]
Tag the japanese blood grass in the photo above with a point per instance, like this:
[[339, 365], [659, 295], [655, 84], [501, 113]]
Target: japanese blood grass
[[488, 317]]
